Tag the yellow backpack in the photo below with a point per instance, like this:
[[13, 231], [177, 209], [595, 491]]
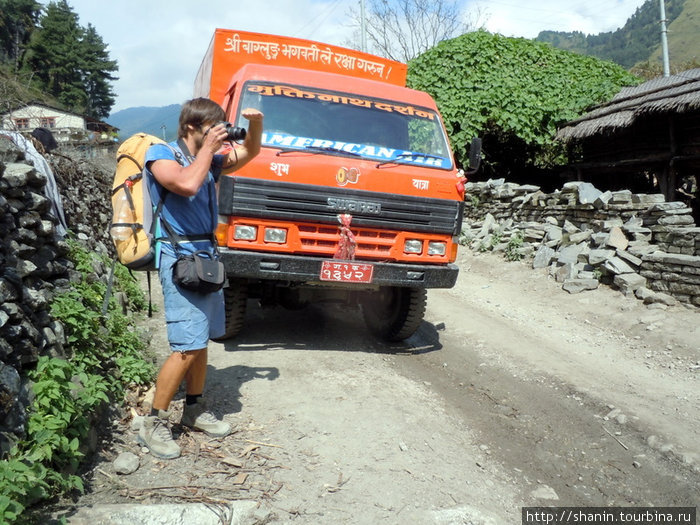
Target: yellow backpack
[[133, 224]]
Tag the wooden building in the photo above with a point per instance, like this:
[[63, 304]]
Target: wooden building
[[646, 139]]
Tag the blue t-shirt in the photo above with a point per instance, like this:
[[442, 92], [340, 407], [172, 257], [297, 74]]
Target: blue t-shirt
[[187, 216]]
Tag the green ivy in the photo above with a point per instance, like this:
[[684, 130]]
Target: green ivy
[[513, 249], [512, 92], [106, 357]]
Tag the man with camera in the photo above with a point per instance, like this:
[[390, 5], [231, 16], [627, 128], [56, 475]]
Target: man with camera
[[181, 178]]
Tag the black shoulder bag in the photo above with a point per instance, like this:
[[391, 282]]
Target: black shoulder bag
[[201, 271]]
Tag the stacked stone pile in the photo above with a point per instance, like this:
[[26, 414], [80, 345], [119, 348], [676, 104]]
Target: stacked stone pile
[[635, 242], [33, 264]]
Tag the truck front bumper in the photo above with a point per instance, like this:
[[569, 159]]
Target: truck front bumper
[[304, 269]]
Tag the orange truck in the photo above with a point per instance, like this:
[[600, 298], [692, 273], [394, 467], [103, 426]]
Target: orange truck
[[354, 197]]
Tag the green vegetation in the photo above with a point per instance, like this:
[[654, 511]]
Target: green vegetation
[[513, 249], [47, 49], [106, 359], [633, 43], [513, 93]]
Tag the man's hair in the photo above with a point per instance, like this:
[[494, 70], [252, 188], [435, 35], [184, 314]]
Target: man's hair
[[196, 112]]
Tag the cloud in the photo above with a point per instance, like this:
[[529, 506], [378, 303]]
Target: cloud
[[526, 18], [159, 44]]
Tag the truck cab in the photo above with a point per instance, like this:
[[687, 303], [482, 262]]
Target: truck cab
[[354, 197]]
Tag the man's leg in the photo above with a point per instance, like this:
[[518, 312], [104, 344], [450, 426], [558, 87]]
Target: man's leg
[[155, 432], [196, 414], [196, 374], [176, 368]]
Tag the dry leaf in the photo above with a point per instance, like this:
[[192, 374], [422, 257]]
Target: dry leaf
[[232, 461], [246, 452], [240, 478]]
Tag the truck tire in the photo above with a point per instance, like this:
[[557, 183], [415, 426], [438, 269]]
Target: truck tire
[[235, 299], [394, 313]]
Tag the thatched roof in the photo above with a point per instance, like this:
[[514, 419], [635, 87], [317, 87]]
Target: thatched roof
[[674, 94]]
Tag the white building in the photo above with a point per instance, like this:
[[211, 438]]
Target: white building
[[65, 126]]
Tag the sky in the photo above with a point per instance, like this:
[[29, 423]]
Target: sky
[[159, 44]]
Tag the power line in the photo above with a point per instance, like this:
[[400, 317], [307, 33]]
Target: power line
[[323, 16]]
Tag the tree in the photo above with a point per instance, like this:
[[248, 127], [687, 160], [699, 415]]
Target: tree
[[54, 58], [97, 71], [403, 29], [71, 63], [512, 92], [17, 21]]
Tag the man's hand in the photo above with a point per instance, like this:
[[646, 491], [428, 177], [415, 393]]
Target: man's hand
[[253, 115], [214, 138]]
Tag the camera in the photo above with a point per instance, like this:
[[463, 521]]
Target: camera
[[234, 132]]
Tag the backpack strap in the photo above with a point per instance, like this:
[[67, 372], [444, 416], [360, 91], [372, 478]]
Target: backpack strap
[[184, 158]]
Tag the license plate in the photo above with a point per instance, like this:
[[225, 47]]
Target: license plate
[[346, 272]]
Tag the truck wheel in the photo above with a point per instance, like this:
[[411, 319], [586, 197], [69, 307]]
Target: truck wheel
[[235, 299], [394, 313]]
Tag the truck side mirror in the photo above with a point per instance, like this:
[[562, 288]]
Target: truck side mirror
[[474, 156]]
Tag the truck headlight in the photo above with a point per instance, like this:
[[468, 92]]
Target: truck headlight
[[276, 235], [437, 248], [413, 246], [242, 232]]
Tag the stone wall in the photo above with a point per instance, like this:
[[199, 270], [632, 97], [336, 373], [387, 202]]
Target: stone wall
[[33, 263], [636, 242]]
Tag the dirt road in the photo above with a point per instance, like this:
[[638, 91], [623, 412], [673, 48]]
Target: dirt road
[[513, 393]]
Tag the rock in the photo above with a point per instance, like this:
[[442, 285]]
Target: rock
[[641, 198], [629, 283], [617, 239], [643, 293], [661, 298], [565, 272], [587, 193], [569, 254], [599, 238], [617, 266], [603, 200], [126, 463], [629, 258], [543, 256], [569, 227], [545, 492], [621, 197], [574, 286], [597, 257], [579, 237]]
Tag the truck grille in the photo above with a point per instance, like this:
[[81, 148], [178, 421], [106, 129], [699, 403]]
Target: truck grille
[[245, 197]]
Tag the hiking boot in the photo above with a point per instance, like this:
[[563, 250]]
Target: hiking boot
[[198, 417], [155, 434]]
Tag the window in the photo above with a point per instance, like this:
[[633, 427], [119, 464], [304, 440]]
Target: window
[[22, 123], [348, 124], [48, 122]]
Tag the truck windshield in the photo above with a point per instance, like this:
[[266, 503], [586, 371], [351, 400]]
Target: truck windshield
[[300, 118]]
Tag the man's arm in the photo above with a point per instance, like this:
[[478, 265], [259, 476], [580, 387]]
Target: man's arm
[[239, 156], [186, 180]]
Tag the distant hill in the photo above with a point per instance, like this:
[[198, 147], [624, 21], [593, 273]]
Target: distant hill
[[639, 40], [147, 119], [683, 41]]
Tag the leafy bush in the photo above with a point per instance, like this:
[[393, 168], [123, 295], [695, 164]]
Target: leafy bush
[[513, 93], [106, 358], [514, 244]]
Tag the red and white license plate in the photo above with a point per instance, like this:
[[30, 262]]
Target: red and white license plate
[[346, 272]]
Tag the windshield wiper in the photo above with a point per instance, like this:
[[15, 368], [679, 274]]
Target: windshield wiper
[[407, 155], [318, 149]]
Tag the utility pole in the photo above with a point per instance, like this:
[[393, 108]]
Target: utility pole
[[363, 29], [664, 40], [163, 128]]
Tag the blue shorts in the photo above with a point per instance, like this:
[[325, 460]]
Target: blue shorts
[[191, 318]]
